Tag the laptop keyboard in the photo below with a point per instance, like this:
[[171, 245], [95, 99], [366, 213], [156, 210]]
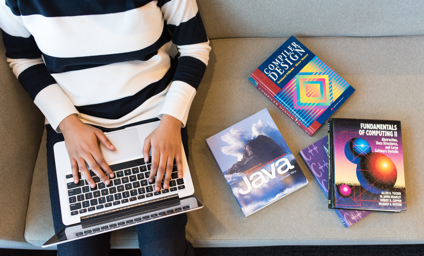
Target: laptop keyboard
[[130, 184]]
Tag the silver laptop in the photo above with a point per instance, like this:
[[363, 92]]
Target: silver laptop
[[129, 199]]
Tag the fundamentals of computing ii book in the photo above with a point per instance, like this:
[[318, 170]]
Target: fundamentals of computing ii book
[[301, 85], [316, 159], [366, 165], [256, 162]]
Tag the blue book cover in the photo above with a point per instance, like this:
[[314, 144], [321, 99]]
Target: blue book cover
[[256, 162], [316, 159], [301, 85]]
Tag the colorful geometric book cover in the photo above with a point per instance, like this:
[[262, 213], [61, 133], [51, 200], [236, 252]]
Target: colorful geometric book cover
[[366, 165], [256, 162], [301, 85], [316, 159]]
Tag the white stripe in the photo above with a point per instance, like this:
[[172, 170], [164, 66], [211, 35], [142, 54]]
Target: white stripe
[[173, 14], [114, 81], [20, 65], [178, 101], [96, 34], [10, 23], [54, 104], [198, 51]]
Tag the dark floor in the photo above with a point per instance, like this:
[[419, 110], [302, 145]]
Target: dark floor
[[395, 250]]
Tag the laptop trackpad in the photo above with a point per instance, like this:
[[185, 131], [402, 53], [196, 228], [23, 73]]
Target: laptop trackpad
[[127, 144]]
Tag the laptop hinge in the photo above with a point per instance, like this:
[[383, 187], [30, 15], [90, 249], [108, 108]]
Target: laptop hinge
[[134, 209]]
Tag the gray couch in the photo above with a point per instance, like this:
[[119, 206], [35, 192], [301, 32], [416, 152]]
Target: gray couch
[[376, 46]]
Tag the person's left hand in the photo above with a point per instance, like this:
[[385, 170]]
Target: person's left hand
[[165, 145]]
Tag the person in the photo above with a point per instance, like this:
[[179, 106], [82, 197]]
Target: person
[[102, 65]]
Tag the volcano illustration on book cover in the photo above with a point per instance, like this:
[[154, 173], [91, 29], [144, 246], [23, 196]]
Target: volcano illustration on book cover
[[256, 162], [366, 165]]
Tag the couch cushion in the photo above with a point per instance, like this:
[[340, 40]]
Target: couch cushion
[[387, 74]]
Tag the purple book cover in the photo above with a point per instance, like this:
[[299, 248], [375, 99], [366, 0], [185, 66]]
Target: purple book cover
[[256, 162], [316, 159]]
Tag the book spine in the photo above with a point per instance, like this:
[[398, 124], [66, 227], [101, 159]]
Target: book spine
[[271, 96], [330, 166]]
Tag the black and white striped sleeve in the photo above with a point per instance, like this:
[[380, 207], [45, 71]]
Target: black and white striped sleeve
[[188, 33], [24, 57]]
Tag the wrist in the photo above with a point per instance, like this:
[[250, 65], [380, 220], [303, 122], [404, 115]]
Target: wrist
[[171, 122], [69, 122]]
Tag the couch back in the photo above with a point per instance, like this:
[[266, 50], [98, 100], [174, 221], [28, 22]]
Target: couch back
[[283, 18]]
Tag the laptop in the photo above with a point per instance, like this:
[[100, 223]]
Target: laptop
[[129, 199]]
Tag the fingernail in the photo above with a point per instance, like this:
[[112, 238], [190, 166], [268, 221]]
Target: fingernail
[[111, 175], [112, 147], [75, 181], [107, 182]]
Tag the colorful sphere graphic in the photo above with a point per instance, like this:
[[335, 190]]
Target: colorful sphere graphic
[[376, 173], [357, 148], [344, 190]]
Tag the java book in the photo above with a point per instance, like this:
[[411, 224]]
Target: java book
[[366, 165], [256, 162], [301, 85], [316, 159]]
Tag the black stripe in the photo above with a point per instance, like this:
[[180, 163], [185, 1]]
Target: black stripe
[[190, 70], [20, 47], [58, 65], [34, 79], [162, 2], [119, 108], [60, 8], [189, 32]]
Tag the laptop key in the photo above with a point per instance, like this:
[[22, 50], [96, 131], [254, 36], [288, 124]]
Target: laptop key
[[149, 189], [105, 227], [170, 212], [112, 190], [135, 170], [136, 184], [125, 194], [137, 219], [72, 199], [96, 179], [172, 183], [99, 207], [146, 217], [74, 192], [121, 188], [79, 234], [162, 214], [117, 182], [143, 183], [143, 168], [102, 200], [96, 229], [149, 195], [127, 172], [140, 176], [175, 169], [74, 213], [180, 181], [154, 215], [96, 193], [116, 203], [157, 193], [120, 174], [133, 192], [80, 198], [129, 221], [85, 204], [108, 205], [140, 197], [109, 198], [93, 202], [73, 185], [101, 185], [118, 196], [128, 186], [173, 189], [88, 195], [124, 201], [88, 232], [174, 175], [113, 225], [83, 211], [164, 191], [85, 189], [125, 180], [69, 176], [187, 207], [141, 191], [105, 192], [75, 206], [133, 178], [133, 198], [91, 209], [178, 209], [121, 223], [181, 187]]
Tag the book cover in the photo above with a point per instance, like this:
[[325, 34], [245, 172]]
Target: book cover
[[256, 162], [301, 85], [366, 165], [316, 159]]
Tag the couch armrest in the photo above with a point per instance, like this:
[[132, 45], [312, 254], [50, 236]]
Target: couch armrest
[[21, 128]]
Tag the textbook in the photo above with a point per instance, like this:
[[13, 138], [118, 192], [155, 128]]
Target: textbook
[[366, 165], [301, 85], [256, 162], [316, 159]]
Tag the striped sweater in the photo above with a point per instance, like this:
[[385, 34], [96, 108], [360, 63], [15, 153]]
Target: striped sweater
[[109, 61]]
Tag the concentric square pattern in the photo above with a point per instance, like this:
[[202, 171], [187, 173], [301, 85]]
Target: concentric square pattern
[[312, 91]]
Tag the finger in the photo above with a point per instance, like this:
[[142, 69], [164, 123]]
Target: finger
[[160, 173], [154, 166], [168, 173], [96, 169], [102, 163], [146, 149], [85, 173], [179, 162], [74, 167], [104, 140]]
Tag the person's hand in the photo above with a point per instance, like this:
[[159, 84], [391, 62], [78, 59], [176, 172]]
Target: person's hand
[[165, 144], [81, 141]]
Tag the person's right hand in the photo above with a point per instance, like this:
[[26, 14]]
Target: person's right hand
[[82, 143]]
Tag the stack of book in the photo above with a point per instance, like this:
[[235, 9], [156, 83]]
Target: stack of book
[[359, 165]]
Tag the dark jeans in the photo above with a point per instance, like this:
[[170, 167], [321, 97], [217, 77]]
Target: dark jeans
[[161, 237]]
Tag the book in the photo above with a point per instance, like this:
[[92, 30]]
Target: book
[[256, 162], [316, 159], [301, 85], [366, 165]]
